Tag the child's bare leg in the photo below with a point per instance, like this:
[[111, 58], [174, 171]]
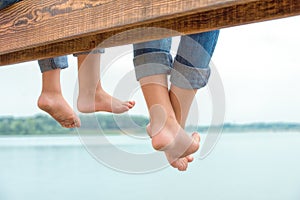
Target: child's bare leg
[[92, 97], [181, 100], [52, 101], [167, 135]]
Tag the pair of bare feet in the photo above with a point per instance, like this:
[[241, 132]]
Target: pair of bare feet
[[54, 104], [177, 145], [168, 136]]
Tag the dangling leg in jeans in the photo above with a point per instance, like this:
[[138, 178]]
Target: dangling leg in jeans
[[168, 109], [51, 99], [92, 97]]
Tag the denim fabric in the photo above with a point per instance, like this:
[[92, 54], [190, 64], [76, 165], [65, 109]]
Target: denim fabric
[[48, 64], [6, 3], [62, 61], [190, 68], [197, 54]]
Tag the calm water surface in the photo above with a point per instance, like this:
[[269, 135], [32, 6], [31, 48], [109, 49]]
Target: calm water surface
[[246, 166]]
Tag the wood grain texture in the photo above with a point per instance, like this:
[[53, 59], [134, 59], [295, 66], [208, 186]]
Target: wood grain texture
[[35, 29]]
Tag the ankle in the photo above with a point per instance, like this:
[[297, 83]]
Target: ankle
[[156, 126], [87, 93], [44, 101], [159, 117], [48, 98], [51, 93]]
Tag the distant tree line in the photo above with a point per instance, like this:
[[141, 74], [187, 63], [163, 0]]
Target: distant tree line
[[37, 125], [252, 127], [45, 125]]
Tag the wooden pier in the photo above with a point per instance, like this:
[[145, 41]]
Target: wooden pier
[[35, 29]]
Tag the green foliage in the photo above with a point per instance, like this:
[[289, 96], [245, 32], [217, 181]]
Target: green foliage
[[90, 124], [43, 124], [36, 125], [112, 122], [252, 127]]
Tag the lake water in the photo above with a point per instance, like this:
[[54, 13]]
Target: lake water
[[246, 166]]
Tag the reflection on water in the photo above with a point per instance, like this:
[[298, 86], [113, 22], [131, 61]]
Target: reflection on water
[[242, 166]]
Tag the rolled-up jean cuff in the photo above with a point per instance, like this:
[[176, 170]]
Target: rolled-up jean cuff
[[94, 51], [53, 63], [187, 77], [150, 64], [7, 3]]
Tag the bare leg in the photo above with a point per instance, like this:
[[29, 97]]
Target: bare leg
[[92, 97], [52, 101], [181, 100], [167, 135]]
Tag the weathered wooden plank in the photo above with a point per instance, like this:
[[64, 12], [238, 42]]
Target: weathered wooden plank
[[34, 29]]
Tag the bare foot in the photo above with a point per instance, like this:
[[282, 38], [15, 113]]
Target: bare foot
[[102, 101], [55, 105], [181, 163]]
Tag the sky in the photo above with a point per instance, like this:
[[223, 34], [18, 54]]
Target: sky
[[259, 65]]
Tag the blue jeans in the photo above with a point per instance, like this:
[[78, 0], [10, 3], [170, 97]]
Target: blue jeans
[[60, 62], [48, 64], [190, 68], [6, 3]]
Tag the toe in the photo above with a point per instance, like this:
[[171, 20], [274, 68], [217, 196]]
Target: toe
[[196, 137], [190, 158], [183, 164], [66, 126], [71, 125], [128, 105], [77, 123], [132, 103]]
